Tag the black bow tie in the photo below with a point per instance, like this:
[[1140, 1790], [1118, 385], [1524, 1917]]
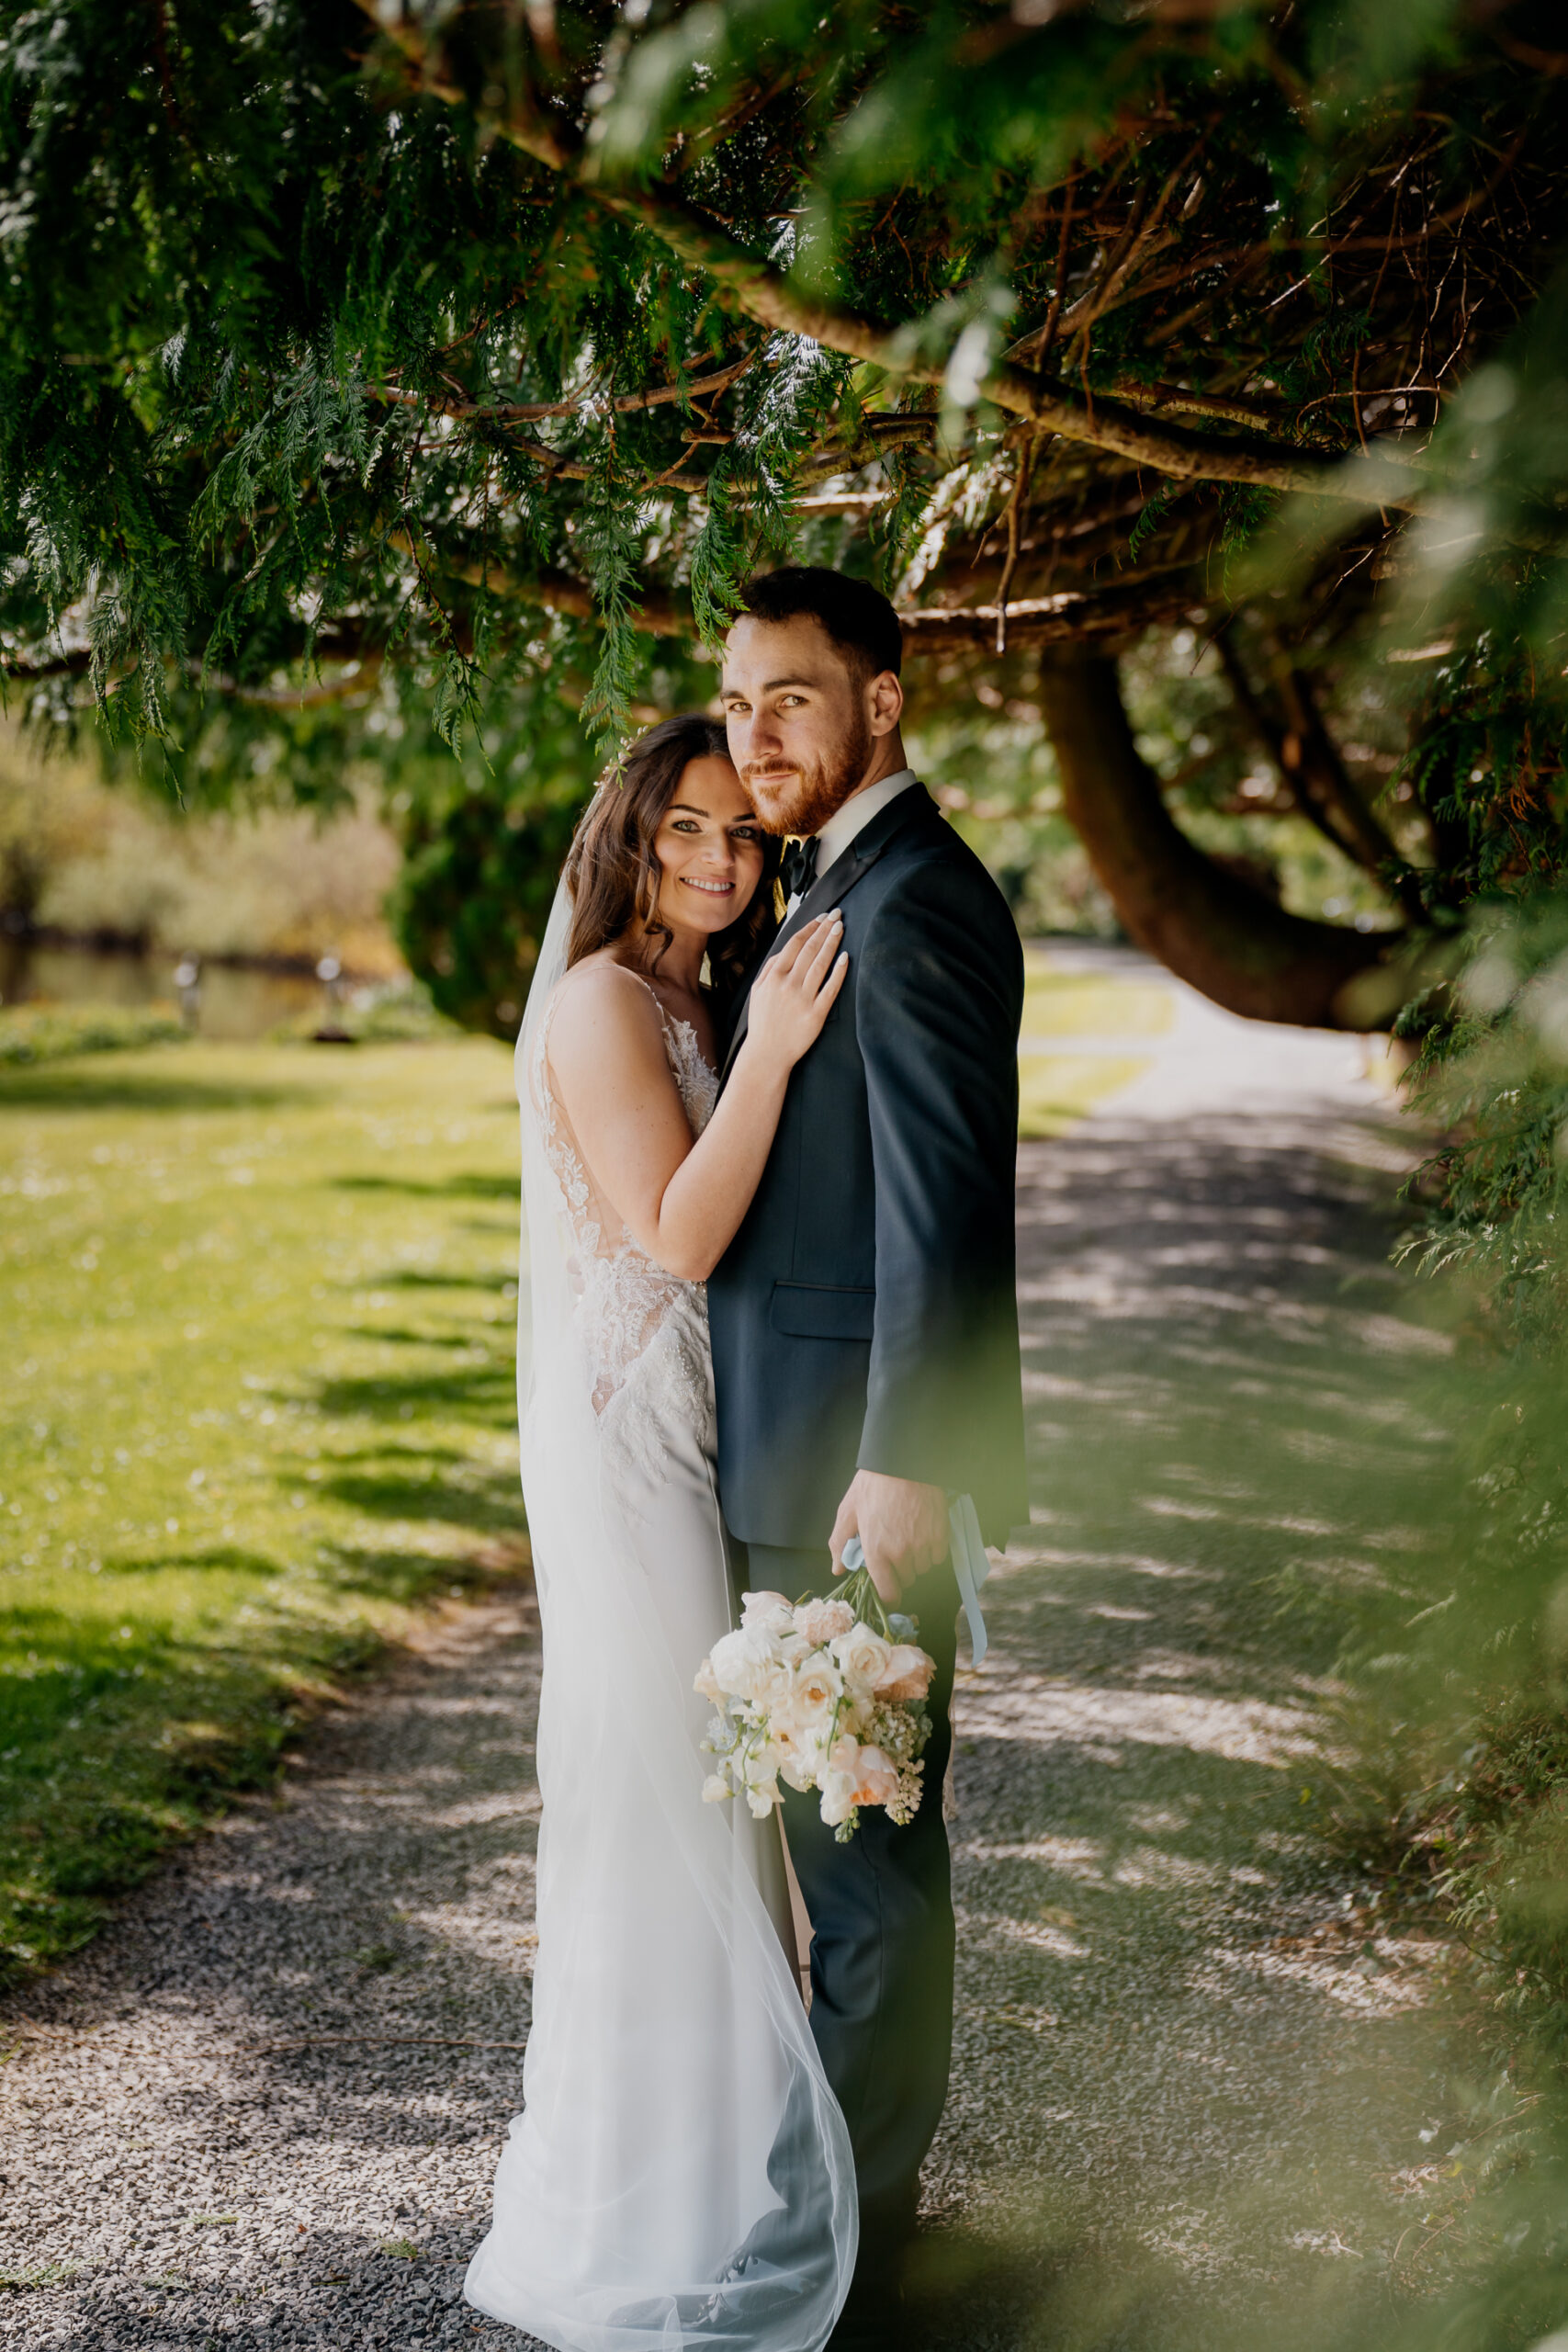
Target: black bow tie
[[797, 869]]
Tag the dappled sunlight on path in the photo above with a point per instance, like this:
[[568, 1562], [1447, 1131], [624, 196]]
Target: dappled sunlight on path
[[1193, 2078]]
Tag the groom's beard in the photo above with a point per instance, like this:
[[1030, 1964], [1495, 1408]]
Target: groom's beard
[[802, 799]]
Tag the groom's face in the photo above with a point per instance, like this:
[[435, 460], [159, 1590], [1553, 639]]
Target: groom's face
[[799, 718]]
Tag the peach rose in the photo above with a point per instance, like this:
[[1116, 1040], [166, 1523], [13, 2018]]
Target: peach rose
[[907, 1673], [822, 1620], [856, 1776], [877, 1781]]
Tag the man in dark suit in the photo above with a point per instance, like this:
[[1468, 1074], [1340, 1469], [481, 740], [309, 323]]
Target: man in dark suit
[[864, 1319]]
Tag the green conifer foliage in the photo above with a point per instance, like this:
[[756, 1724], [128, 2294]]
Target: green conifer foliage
[[466, 356]]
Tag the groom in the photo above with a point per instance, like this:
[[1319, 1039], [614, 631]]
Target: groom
[[863, 1320]]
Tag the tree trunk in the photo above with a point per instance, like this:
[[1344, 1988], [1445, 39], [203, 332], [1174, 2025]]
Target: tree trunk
[[1205, 924]]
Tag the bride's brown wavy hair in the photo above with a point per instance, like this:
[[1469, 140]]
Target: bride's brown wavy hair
[[613, 870]]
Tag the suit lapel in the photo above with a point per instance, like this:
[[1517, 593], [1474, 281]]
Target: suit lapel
[[829, 889]]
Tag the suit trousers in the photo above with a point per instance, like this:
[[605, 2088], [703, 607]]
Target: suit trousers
[[882, 1933]]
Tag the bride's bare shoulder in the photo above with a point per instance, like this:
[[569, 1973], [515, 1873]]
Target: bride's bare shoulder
[[601, 1008]]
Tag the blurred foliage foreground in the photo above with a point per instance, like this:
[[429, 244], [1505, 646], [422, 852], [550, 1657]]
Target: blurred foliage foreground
[[260, 1402], [1456, 1665]]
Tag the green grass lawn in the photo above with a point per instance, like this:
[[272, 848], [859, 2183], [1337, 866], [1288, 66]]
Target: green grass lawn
[[1089, 1004], [1057, 1090], [259, 1309]]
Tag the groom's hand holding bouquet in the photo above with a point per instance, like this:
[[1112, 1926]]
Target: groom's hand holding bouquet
[[824, 1693]]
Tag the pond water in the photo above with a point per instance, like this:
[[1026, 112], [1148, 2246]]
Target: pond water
[[225, 1002]]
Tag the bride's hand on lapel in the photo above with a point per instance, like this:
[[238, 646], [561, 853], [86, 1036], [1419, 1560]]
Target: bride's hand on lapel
[[792, 994]]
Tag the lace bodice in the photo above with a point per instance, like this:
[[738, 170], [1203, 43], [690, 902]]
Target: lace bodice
[[643, 1331]]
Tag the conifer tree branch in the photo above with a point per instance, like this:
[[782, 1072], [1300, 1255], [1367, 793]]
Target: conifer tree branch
[[536, 412], [1046, 402], [764, 295]]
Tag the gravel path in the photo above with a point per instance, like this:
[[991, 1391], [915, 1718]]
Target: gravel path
[[1194, 2083]]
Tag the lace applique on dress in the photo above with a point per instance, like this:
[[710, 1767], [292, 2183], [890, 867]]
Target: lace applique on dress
[[643, 1332]]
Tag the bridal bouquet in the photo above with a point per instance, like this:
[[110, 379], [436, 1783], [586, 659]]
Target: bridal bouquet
[[811, 1692]]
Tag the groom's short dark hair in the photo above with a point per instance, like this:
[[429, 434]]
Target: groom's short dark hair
[[857, 617]]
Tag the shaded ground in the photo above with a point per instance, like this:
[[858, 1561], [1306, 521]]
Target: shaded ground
[[1196, 2092], [1196, 2082]]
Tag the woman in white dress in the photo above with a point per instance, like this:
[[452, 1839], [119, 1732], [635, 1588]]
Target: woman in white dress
[[681, 2173]]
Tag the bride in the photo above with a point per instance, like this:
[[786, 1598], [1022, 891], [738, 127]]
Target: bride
[[681, 2173]]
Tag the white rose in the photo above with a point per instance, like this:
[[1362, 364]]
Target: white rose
[[767, 1612], [742, 1663], [800, 1735], [816, 1686], [862, 1656], [716, 1789], [793, 1728]]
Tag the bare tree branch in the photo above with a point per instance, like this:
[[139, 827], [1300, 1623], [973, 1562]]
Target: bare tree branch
[[1314, 774], [1109, 613]]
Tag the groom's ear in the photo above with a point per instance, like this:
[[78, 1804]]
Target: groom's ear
[[884, 702]]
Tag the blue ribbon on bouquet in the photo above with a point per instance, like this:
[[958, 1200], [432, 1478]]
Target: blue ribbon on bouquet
[[970, 1566]]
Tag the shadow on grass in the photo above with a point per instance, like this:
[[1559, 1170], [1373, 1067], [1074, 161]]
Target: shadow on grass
[[494, 1502], [118, 1745], [399, 1337], [409, 1278], [409, 1575], [228, 1557], [471, 1186], [484, 1393], [119, 1760], [71, 1086]]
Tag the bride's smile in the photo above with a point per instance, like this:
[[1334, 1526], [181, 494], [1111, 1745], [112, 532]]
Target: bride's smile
[[709, 848]]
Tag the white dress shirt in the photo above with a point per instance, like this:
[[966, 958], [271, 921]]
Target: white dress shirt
[[851, 818]]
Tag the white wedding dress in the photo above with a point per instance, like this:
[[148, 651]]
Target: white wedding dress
[[681, 2173]]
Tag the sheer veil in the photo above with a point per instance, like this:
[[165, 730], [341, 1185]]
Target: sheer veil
[[681, 2173]]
